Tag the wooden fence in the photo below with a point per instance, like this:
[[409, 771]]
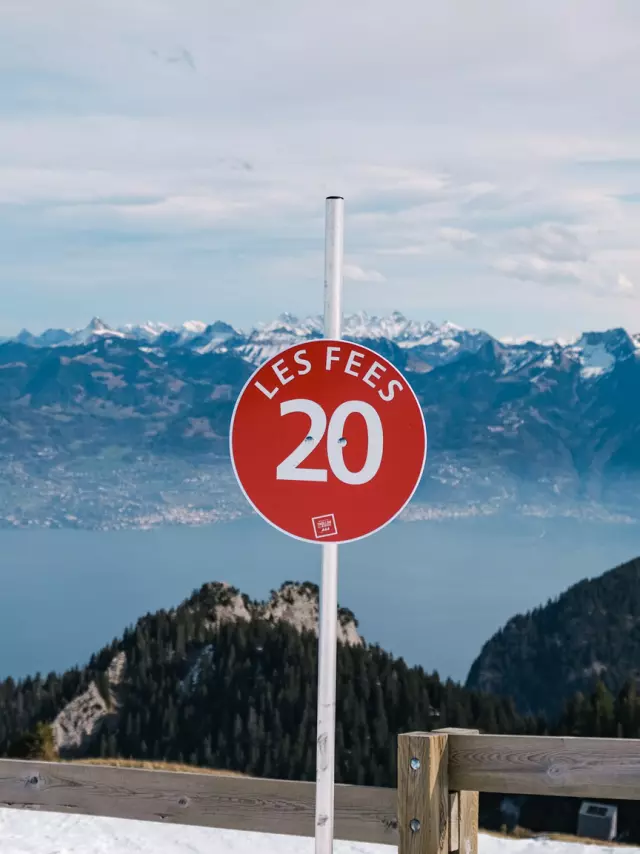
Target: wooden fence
[[433, 811]]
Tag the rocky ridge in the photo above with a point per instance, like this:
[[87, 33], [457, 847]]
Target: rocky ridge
[[87, 716], [79, 722], [294, 603]]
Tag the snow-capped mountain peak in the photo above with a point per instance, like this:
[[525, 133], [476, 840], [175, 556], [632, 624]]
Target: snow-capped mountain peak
[[289, 324], [448, 326], [436, 344], [97, 324], [97, 328], [599, 352], [147, 331], [215, 337], [425, 343], [194, 327]]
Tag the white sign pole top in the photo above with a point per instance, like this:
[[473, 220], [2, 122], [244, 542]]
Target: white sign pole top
[[333, 262], [328, 636]]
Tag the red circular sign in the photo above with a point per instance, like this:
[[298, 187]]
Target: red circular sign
[[328, 441]]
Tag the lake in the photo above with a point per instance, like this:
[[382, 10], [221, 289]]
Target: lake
[[432, 592]]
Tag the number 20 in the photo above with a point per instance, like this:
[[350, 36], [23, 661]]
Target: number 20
[[288, 468]]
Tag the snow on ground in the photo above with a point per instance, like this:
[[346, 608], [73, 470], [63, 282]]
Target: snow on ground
[[26, 832]]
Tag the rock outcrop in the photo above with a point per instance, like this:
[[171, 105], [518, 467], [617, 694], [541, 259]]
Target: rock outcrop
[[294, 603], [298, 605], [81, 720]]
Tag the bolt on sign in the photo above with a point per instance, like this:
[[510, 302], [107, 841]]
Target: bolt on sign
[[328, 441]]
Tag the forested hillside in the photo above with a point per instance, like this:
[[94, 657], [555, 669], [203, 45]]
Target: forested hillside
[[589, 633], [229, 683]]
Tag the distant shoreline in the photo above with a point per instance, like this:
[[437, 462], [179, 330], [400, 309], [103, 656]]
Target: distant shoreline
[[189, 517]]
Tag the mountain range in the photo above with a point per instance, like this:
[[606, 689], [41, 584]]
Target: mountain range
[[425, 342], [129, 426]]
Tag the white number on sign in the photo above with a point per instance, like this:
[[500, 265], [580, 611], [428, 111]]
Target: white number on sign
[[374, 444], [288, 468]]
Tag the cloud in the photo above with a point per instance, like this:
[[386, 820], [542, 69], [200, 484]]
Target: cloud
[[531, 268], [551, 241], [625, 285], [403, 250], [183, 57], [358, 274], [182, 211], [159, 152], [459, 238]]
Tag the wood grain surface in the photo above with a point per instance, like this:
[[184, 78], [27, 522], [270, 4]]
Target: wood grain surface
[[540, 765], [423, 794], [362, 814], [463, 834]]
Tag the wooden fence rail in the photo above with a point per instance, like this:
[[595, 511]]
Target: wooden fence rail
[[434, 810], [362, 813], [441, 773]]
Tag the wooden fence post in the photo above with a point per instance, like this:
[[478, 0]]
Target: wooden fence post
[[423, 793], [463, 834]]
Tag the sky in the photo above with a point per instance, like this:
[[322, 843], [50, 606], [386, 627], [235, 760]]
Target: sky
[[168, 161]]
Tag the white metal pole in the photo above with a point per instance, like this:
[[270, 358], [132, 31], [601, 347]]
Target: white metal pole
[[333, 263], [328, 641]]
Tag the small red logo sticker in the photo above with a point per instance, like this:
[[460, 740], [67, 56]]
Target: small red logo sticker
[[324, 526]]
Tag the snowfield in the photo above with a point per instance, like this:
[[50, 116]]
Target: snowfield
[[23, 832]]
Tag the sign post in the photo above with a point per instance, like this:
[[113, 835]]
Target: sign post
[[328, 444], [328, 628]]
